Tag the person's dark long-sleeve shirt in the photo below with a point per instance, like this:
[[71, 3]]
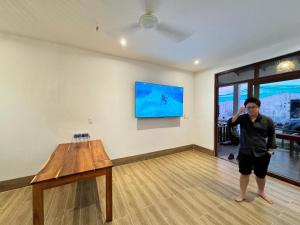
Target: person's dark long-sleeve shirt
[[255, 137]]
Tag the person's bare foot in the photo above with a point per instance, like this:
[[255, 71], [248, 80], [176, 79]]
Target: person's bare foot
[[265, 197], [240, 199]]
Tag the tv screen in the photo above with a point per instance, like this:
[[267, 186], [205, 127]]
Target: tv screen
[[156, 100]]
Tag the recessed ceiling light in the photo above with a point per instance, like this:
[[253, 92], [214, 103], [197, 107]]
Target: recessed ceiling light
[[196, 62], [123, 42]]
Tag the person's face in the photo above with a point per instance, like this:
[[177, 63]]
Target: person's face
[[252, 109]]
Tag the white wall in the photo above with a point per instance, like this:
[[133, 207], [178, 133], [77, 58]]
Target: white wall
[[203, 134], [48, 92]]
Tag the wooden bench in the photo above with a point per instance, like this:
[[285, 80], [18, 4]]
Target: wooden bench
[[291, 137], [72, 162]]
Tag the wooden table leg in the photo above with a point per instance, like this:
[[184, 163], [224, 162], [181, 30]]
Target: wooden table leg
[[109, 194], [37, 205]]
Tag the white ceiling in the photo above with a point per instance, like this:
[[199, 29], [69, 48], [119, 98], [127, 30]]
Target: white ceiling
[[222, 29]]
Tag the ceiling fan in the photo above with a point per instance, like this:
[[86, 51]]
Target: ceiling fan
[[149, 21]]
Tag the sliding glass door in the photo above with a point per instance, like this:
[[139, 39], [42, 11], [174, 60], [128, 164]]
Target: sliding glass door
[[277, 83], [281, 101], [230, 99]]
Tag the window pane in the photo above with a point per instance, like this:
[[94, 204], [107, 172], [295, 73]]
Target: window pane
[[245, 74], [243, 94], [280, 66], [281, 102], [225, 103]]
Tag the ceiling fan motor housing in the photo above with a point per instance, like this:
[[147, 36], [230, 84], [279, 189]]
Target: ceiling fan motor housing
[[148, 21]]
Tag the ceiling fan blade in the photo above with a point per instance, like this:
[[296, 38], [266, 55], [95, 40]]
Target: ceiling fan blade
[[131, 28], [124, 31], [150, 5], [172, 33]]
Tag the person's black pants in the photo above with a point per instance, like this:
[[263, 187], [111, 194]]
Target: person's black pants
[[258, 164]]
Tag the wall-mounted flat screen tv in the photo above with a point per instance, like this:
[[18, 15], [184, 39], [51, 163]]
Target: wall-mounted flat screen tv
[[156, 100]]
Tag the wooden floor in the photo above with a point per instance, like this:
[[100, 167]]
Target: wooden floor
[[183, 188]]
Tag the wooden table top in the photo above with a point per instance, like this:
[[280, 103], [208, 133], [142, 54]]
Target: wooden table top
[[74, 158]]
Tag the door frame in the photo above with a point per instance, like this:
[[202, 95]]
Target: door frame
[[216, 108], [253, 90]]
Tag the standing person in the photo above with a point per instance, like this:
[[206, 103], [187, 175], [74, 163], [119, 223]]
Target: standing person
[[257, 143]]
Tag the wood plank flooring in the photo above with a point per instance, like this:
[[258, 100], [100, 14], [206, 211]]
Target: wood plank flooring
[[185, 188]]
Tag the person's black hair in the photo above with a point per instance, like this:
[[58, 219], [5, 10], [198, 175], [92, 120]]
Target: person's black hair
[[252, 100]]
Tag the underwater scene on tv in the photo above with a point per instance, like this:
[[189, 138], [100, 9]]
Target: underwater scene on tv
[[156, 100]]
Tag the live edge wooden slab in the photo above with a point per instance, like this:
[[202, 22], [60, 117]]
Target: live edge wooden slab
[[72, 162]]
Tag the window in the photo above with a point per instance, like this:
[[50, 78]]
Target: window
[[280, 66], [236, 76], [225, 103], [281, 100]]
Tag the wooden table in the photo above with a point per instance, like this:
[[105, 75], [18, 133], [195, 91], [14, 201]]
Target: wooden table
[[291, 137], [72, 162]]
